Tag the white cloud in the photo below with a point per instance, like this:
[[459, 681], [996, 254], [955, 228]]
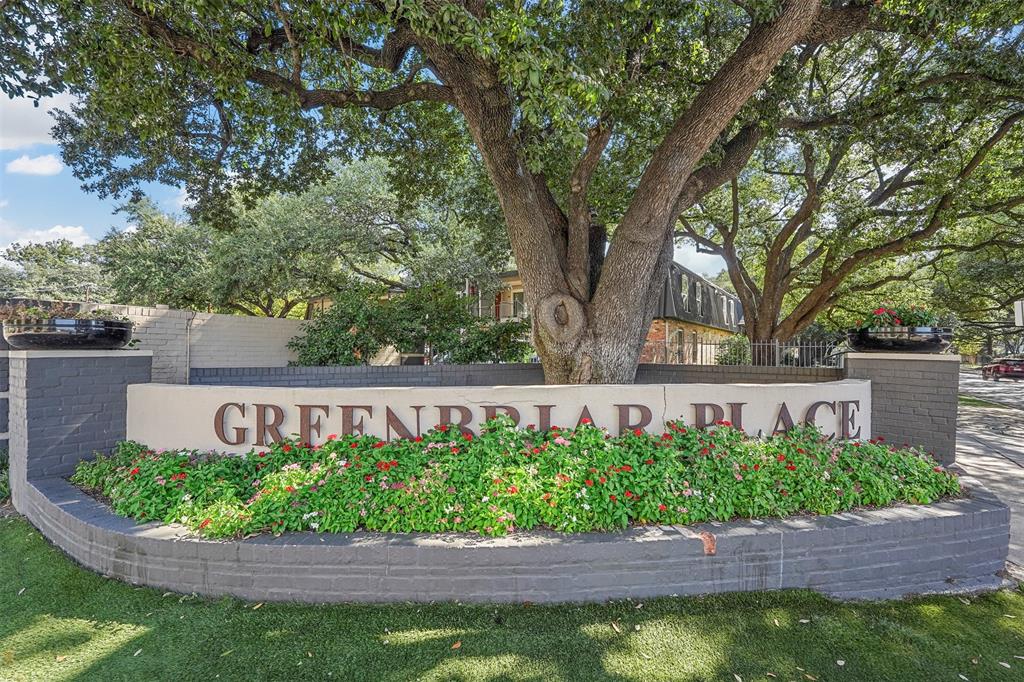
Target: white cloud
[[23, 125], [707, 264], [4, 203], [11, 234], [47, 164]]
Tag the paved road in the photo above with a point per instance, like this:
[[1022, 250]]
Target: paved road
[[990, 447], [1007, 392]]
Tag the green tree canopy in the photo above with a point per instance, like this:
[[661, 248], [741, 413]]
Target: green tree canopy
[[589, 116], [55, 270], [288, 248]]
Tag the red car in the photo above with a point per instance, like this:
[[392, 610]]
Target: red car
[[1004, 368]]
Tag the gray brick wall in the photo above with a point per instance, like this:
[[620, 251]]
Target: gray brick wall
[[66, 406], [913, 399], [880, 553], [489, 375]]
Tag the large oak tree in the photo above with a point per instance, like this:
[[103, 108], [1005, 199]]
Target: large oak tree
[[590, 116]]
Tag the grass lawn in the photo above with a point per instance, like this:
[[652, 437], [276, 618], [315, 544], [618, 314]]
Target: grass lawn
[[971, 401], [58, 621]]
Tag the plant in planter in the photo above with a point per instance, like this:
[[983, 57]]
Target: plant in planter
[[899, 329], [63, 327]]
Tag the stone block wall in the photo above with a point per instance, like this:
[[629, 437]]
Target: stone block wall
[[913, 398], [67, 405]]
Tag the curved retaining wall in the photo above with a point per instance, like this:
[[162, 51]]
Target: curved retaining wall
[[953, 545]]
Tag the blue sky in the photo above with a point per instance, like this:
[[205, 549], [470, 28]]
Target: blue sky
[[40, 200]]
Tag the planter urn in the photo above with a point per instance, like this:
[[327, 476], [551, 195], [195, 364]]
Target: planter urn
[[59, 333]]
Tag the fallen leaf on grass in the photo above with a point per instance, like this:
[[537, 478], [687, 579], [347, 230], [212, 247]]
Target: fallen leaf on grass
[[61, 659], [776, 621], [1006, 615], [21, 591], [974, 661], [615, 626], [804, 620], [257, 606], [738, 678], [637, 627], [963, 678], [1020, 657], [226, 653], [310, 654], [137, 653], [1004, 664], [966, 601], [457, 645], [810, 677], [771, 674], [840, 663]]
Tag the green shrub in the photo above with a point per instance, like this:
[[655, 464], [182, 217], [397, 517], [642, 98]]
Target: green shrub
[[508, 478], [735, 350], [5, 476]]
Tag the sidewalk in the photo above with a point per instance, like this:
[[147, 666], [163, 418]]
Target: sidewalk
[[990, 447]]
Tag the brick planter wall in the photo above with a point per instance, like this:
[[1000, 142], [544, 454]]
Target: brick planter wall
[[880, 553], [913, 398]]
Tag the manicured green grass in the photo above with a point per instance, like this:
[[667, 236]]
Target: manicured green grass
[[58, 621], [971, 401]]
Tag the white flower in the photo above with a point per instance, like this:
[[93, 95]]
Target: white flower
[[485, 498]]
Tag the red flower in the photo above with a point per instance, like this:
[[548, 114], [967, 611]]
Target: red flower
[[724, 422], [801, 451], [467, 436], [648, 461], [455, 451], [612, 498], [368, 477], [536, 451], [589, 482], [602, 480], [512, 490], [442, 428], [666, 436], [286, 448], [418, 439], [263, 454], [757, 467], [638, 432], [134, 471], [586, 420], [379, 444], [791, 467], [937, 470], [289, 489], [705, 451], [332, 436], [629, 493], [354, 445], [781, 458], [662, 507], [205, 523], [625, 467]]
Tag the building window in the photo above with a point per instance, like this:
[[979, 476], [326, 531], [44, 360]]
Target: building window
[[684, 291], [518, 304], [698, 300]]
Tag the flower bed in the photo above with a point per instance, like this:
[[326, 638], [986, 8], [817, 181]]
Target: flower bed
[[507, 478]]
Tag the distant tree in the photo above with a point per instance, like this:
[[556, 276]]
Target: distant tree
[[288, 248], [57, 270]]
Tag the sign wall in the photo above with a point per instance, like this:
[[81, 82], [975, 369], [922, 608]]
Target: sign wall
[[238, 419]]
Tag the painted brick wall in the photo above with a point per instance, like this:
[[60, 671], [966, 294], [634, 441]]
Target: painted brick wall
[[182, 338], [877, 553], [64, 406], [487, 375], [913, 398]]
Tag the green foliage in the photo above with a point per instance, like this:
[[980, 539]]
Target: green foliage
[[571, 480], [888, 315], [56, 270], [348, 333], [506, 341], [5, 476], [432, 319], [285, 249], [735, 350]]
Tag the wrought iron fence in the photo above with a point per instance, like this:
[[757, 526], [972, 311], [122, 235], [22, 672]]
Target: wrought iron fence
[[690, 348]]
